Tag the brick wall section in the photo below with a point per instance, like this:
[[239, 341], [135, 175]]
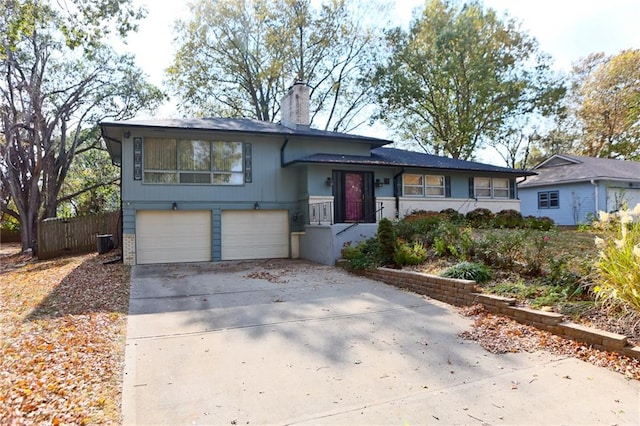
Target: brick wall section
[[129, 249], [464, 293]]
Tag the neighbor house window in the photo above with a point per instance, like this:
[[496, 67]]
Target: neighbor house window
[[486, 187], [548, 200], [423, 185], [187, 161]]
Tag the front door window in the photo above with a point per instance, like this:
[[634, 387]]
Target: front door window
[[354, 197]]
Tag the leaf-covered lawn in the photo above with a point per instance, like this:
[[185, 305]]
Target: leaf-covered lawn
[[62, 334]]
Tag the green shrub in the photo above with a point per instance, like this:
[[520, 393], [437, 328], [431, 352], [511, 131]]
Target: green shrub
[[449, 239], [417, 227], [410, 254], [500, 248], [386, 241], [535, 251], [468, 271], [480, 218], [452, 215], [619, 261], [364, 255], [508, 219], [542, 223]]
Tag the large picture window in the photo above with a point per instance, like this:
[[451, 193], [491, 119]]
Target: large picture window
[[548, 200], [187, 161], [486, 187]]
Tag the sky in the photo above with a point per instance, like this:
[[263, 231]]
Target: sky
[[565, 29]]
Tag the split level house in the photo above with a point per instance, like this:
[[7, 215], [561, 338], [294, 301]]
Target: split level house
[[217, 189], [572, 189]]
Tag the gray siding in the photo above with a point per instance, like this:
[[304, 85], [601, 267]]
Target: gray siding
[[270, 183], [297, 149]]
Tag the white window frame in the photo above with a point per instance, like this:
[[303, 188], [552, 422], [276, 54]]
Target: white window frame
[[424, 185], [491, 191], [415, 186], [441, 186]]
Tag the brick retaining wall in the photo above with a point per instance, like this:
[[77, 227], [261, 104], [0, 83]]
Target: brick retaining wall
[[465, 293]]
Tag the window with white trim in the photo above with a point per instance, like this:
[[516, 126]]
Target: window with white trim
[[185, 161], [413, 185], [423, 185], [486, 187], [548, 200], [434, 186]]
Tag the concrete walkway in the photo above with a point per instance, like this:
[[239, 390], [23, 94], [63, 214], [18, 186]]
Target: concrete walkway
[[291, 342]]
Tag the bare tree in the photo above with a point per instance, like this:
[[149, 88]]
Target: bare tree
[[55, 83]]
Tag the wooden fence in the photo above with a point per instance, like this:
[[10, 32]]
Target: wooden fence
[[59, 237]]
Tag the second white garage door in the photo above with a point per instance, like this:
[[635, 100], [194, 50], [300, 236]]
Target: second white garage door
[[173, 236], [255, 234]]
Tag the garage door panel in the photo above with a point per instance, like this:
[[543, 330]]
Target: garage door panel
[[253, 234], [170, 236]]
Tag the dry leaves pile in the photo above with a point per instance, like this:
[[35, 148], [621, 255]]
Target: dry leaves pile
[[502, 335], [62, 334]]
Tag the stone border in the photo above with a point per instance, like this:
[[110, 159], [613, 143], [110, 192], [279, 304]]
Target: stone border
[[465, 293]]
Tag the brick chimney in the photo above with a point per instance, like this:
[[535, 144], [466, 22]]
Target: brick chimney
[[295, 107]]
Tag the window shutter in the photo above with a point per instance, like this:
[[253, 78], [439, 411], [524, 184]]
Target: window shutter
[[248, 172], [471, 189], [512, 189], [447, 186], [137, 158]]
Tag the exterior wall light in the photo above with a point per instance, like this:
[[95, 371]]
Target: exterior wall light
[[329, 181], [174, 206], [256, 206], [379, 183]]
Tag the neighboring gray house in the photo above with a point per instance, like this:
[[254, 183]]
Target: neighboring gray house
[[572, 189], [227, 189]]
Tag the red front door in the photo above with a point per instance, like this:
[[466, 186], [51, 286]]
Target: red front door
[[354, 197]]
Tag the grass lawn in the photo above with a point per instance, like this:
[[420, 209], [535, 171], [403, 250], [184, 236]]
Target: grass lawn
[[62, 335]]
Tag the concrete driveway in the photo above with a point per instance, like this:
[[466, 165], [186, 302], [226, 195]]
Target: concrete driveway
[[291, 342]]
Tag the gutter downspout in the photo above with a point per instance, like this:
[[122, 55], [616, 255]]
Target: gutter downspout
[[284, 145], [596, 195], [396, 192]]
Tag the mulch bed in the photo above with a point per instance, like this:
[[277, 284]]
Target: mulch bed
[[502, 335], [62, 335]]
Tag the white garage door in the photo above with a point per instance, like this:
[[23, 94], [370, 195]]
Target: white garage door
[[255, 234], [173, 236]]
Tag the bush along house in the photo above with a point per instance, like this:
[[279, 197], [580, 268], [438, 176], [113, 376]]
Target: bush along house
[[216, 189]]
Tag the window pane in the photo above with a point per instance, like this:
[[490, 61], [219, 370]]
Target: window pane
[[501, 193], [412, 190], [543, 201], [227, 156], [435, 191], [501, 183], [435, 180], [195, 177], [160, 154], [412, 179], [554, 199], [482, 182], [152, 177], [194, 155], [228, 178]]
